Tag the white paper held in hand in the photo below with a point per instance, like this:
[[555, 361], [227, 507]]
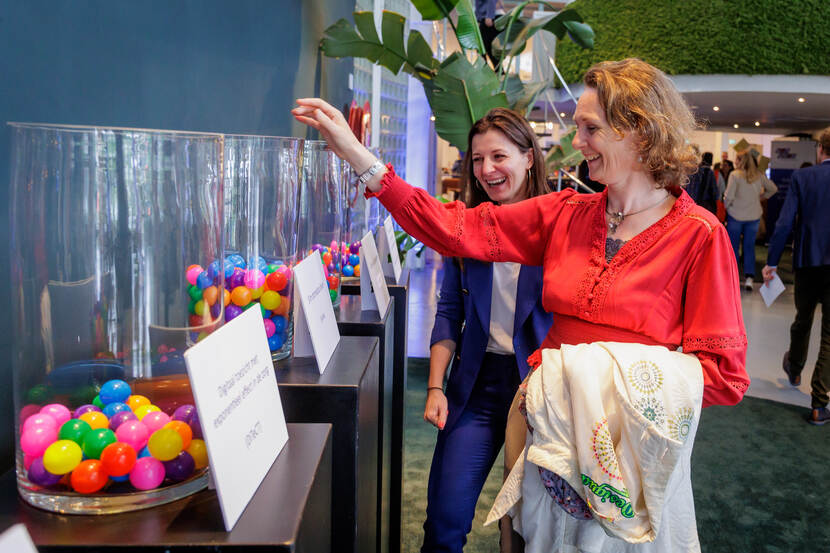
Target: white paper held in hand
[[374, 294], [315, 327], [772, 289], [235, 389]]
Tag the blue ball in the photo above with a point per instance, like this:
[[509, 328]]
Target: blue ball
[[110, 409], [348, 270], [354, 260], [120, 478], [213, 270], [204, 280], [114, 391], [279, 324], [258, 262], [237, 260], [275, 342], [145, 452], [229, 267]]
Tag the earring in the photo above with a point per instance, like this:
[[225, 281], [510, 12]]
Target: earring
[[529, 177], [639, 159]]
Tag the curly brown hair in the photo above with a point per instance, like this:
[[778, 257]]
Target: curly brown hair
[[637, 97], [824, 141]]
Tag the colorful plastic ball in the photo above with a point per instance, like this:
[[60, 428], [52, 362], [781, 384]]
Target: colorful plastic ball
[[147, 474], [237, 260], [134, 433], [272, 267], [85, 409], [196, 426], [279, 324], [236, 279], [256, 293], [144, 452], [28, 410], [120, 478], [254, 278], [111, 409], [334, 282], [200, 308], [95, 419], [282, 310], [326, 258], [355, 248], [193, 273], [40, 420], [276, 281], [155, 420], [184, 413], [194, 292], [354, 260], [232, 312], [241, 296], [357, 270], [62, 456], [180, 468], [226, 298], [96, 440], [275, 342], [266, 314], [269, 327], [348, 270], [333, 294], [198, 451], [89, 477], [203, 280], [59, 412], [214, 268], [114, 390], [136, 400], [184, 431], [38, 474], [270, 300], [120, 418], [38, 394], [331, 267], [118, 459], [75, 430], [165, 444], [210, 295], [28, 460], [194, 320], [36, 439], [227, 268], [257, 263], [97, 402], [142, 411]]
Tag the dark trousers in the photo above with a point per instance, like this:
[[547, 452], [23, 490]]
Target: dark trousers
[[464, 455], [488, 34], [748, 230], [812, 286]]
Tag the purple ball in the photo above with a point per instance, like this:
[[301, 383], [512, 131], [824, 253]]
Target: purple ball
[[354, 248], [84, 409], [180, 467], [330, 268], [216, 310], [232, 311], [196, 426], [40, 476], [184, 413], [237, 278], [120, 418], [317, 247]]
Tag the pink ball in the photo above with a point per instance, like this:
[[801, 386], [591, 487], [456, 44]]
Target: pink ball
[[269, 327], [155, 420], [59, 412], [254, 278], [333, 246], [147, 474], [133, 433], [40, 420], [27, 461], [193, 273], [285, 270], [34, 441], [28, 410]]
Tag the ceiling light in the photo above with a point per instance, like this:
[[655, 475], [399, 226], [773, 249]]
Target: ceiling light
[[802, 100], [715, 108], [562, 114], [432, 118], [533, 125], [735, 125], [757, 123]]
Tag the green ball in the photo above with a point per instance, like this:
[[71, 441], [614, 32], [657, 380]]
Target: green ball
[[191, 307], [39, 394], [271, 268], [75, 430], [98, 403], [250, 305], [264, 311], [96, 440], [195, 292], [83, 395], [333, 294]]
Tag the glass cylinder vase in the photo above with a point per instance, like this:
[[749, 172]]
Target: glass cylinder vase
[[262, 179], [110, 231]]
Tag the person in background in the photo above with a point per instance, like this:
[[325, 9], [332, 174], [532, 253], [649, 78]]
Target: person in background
[[807, 208], [702, 186], [721, 181], [744, 190], [489, 320], [486, 16]]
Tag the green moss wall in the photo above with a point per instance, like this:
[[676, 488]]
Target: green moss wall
[[694, 37]]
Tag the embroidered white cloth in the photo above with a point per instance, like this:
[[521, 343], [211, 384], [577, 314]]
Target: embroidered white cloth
[[617, 422]]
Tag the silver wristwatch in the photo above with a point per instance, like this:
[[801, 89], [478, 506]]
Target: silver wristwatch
[[370, 172]]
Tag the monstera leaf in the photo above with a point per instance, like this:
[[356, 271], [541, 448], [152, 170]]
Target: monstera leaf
[[466, 30], [564, 155], [521, 96]]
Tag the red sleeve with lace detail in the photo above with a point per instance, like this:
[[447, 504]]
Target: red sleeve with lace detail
[[713, 325], [517, 232]]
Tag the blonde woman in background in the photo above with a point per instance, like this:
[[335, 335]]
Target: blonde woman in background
[[746, 186]]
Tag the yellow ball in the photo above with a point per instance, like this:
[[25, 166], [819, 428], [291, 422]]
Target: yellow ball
[[198, 450], [62, 457], [257, 293], [165, 444], [95, 419], [144, 409], [200, 308], [270, 300]]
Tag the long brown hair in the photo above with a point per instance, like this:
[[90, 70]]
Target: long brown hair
[[518, 131]]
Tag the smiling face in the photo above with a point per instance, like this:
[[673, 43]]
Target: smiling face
[[611, 159], [500, 166]]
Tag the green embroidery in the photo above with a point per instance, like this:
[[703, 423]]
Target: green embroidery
[[608, 492], [680, 424], [646, 377]]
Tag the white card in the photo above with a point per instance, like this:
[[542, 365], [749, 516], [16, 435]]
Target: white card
[[235, 388], [315, 327], [17, 539], [371, 277], [388, 245], [772, 289]]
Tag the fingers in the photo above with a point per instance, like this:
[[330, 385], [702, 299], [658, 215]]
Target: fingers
[[316, 103], [442, 418]]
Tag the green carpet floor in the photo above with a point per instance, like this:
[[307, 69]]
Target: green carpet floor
[[760, 473]]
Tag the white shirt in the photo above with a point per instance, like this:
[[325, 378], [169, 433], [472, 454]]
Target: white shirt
[[503, 307]]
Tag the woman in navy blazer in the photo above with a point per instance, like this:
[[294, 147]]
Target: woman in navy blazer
[[487, 333]]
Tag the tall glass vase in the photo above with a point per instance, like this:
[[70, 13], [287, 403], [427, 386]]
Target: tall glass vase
[[110, 229]]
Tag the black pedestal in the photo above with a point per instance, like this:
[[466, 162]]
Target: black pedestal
[[399, 291], [290, 512], [345, 395]]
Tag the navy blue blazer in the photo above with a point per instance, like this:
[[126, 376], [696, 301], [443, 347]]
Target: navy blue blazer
[[807, 206], [465, 298]]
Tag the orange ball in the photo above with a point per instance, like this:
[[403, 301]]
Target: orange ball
[[184, 431], [241, 296], [135, 401], [95, 419], [226, 297], [283, 307], [326, 258], [210, 294], [357, 270], [276, 281], [89, 476]]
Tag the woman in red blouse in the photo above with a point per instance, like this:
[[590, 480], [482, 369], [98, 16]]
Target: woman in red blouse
[[639, 262]]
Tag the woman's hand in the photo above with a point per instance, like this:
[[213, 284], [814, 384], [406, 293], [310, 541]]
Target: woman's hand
[[334, 128], [436, 411]]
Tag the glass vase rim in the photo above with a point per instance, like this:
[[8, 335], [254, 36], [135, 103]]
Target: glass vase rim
[[88, 128], [234, 136]]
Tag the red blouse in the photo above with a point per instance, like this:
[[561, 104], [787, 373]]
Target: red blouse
[[674, 284]]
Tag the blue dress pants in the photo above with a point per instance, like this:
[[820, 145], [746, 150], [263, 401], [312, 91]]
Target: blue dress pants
[[464, 455], [749, 230]]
